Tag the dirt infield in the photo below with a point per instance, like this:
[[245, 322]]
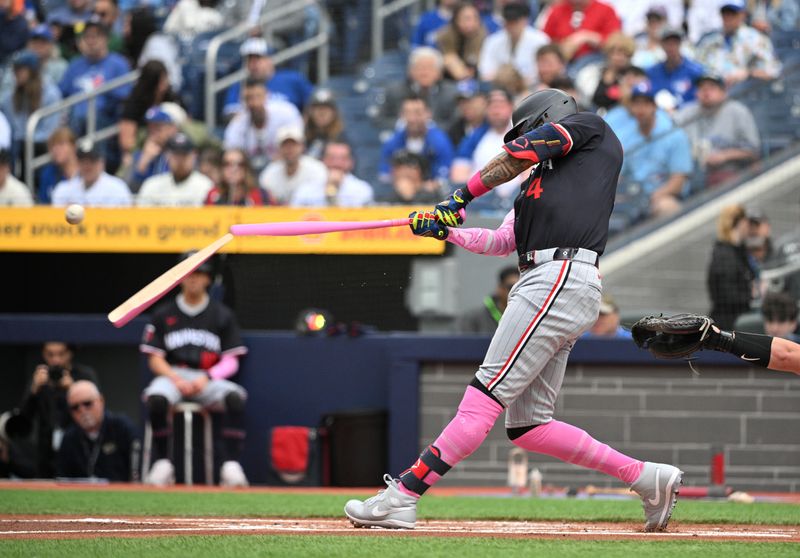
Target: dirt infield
[[73, 527]]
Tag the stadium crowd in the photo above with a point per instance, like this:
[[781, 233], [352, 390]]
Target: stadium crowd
[[660, 72]]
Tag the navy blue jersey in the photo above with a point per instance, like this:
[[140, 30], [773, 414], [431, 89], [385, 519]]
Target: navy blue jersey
[[568, 197], [192, 341]]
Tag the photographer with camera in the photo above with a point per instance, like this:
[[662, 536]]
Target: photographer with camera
[[43, 413]]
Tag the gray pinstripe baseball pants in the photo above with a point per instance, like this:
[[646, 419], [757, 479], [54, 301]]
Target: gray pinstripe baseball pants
[[551, 305]]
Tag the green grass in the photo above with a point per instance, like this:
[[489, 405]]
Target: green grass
[[390, 546], [110, 502]]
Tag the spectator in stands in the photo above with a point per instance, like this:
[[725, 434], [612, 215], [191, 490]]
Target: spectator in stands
[[92, 186], [620, 118], [152, 159], [608, 321], [460, 42], [254, 129], [292, 169], [657, 155], [237, 184], [471, 111], [44, 406], [108, 13], [341, 188], [485, 142], [633, 13], [550, 65], [410, 182], [150, 90], [63, 165], [722, 131], [182, 186], [514, 45], [674, 79], [31, 92], [759, 238], [778, 15], [144, 42], [618, 50], [779, 311], [580, 27], [730, 277], [42, 43], [12, 191], [323, 122], [285, 85], [485, 318], [75, 11], [190, 18], [13, 30], [425, 80], [98, 444], [93, 69], [648, 44], [422, 136], [737, 51], [509, 79], [431, 22]]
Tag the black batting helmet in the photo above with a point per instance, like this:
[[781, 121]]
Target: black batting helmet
[[547, 105]]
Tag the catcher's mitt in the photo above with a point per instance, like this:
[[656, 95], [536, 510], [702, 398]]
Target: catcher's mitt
[[672, 336]]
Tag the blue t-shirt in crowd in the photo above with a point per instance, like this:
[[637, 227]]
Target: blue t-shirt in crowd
[[287, 85], [84, 75], [469, 144], [428, 26], [651, 160], [437, 150], [679, 81], [49, 176]]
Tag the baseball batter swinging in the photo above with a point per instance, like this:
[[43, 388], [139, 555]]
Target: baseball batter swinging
[[559, 228]]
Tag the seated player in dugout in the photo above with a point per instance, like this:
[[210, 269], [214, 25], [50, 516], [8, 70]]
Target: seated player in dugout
[[193, 347], [559, 228], [485, 318]]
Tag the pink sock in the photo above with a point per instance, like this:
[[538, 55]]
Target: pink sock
[[573, 445], [465, 433]]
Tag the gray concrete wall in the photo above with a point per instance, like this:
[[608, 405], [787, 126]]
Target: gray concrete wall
[[654, 414]]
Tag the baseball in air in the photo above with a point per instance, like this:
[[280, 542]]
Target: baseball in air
[[74, 214]]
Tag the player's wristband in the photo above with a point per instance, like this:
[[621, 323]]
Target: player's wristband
[[475, 186]]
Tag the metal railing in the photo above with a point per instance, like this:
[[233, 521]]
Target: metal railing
[[318, 42], [380, 12], [31, 163]]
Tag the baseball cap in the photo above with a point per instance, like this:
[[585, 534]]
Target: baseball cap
[[659, 12], [254, 46], [157, 115], [643, 90], [94, 21], [467, 89], [26, 58], [89, 150], [42, 31], [755, 214], [495, 92], [322, 96], [733, 6], [671, 33], [713, 78], [515, 11], [180, 143], [290, 133], [175, 112]]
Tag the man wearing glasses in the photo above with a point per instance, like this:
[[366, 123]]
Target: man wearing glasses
[[98, 444]]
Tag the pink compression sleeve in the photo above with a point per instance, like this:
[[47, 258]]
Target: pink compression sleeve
[[225, 368], [498, 242]]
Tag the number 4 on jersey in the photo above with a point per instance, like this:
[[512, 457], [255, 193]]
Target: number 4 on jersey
[[535, 188]]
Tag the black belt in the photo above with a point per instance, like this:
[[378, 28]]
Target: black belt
[[528, 260]]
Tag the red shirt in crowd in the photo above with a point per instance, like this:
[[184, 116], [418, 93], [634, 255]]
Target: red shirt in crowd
[[563, 21], [254, 197]]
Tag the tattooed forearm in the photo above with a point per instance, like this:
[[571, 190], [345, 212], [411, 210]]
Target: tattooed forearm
[[503, 168]]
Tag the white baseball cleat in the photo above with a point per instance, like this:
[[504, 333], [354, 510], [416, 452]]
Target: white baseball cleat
[[658, 485], [390, 508], [232, 475], [162, 473]]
